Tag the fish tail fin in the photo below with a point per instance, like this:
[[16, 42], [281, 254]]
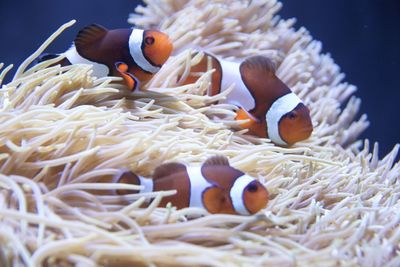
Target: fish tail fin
[[126, 177], [46, 56]]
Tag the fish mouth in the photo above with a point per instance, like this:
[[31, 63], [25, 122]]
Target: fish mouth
[[302, 134]]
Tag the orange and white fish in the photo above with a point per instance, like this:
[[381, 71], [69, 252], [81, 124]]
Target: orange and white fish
[[272, 109], [133, 54], [214, 186]]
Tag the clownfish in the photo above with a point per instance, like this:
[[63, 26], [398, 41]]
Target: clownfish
[[214, 186], [271, 108], [133, 54]]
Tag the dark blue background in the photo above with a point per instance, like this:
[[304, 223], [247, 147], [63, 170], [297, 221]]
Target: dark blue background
[[362, 36]]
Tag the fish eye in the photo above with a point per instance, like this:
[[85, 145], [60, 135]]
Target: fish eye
[[292, 115], [252, 187], [149, 40]]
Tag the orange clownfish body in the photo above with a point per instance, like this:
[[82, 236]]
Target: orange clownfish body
[[133, 54], [214, 186], [271, 108]]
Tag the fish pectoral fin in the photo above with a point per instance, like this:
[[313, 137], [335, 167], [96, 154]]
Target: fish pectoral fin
[[168, 169], [126, 177], [129, 79], [243, 114], [121, 66], [255, 126], [214, 199], [89, 35]]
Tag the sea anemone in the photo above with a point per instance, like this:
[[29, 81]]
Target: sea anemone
[[64, 133]]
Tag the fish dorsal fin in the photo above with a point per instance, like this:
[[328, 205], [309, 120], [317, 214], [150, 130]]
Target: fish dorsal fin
[[217, 161], [258, 64], [168, 169], [90, 34]]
